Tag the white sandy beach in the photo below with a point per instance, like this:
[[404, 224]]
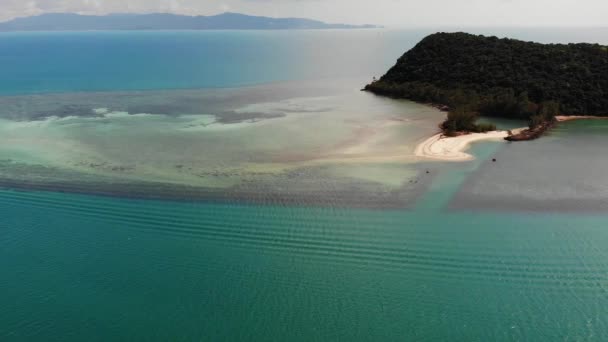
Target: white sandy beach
[[440, 147], [445, 148]]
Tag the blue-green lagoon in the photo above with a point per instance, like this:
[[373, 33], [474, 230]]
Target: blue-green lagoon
[[230, 186]]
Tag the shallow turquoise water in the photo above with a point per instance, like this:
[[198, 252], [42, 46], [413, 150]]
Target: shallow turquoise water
[[76, 267]]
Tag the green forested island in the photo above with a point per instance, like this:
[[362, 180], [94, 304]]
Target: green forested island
[[477, 75]]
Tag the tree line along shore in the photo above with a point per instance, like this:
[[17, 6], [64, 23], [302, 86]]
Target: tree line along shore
[[471, 76]]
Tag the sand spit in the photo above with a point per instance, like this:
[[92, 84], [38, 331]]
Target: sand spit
[[445, 148]]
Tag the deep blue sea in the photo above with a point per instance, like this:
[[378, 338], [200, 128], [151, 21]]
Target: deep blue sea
[[67, 62], [311, 225]]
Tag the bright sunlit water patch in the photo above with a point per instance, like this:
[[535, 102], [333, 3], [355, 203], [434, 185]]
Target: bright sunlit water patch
[[562, 172]]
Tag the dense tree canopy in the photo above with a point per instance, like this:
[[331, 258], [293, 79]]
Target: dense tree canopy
[[501, 77]]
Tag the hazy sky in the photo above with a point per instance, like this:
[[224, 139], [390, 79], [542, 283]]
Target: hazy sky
[[397, 13]]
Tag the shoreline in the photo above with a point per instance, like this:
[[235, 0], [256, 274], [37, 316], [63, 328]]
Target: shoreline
[[440, 147], [564, 118]]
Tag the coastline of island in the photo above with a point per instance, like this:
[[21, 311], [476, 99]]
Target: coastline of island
[[453, 148], [471, 76], [564, 118]]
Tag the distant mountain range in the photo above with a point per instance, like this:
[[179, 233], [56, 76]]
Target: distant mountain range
[[164, 21]]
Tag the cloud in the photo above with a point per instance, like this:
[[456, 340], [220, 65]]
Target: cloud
[[225, 7]]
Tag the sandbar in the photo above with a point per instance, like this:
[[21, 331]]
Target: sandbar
[[446, 148]]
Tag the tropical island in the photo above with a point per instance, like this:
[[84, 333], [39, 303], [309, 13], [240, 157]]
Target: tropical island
[[472, 75]]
